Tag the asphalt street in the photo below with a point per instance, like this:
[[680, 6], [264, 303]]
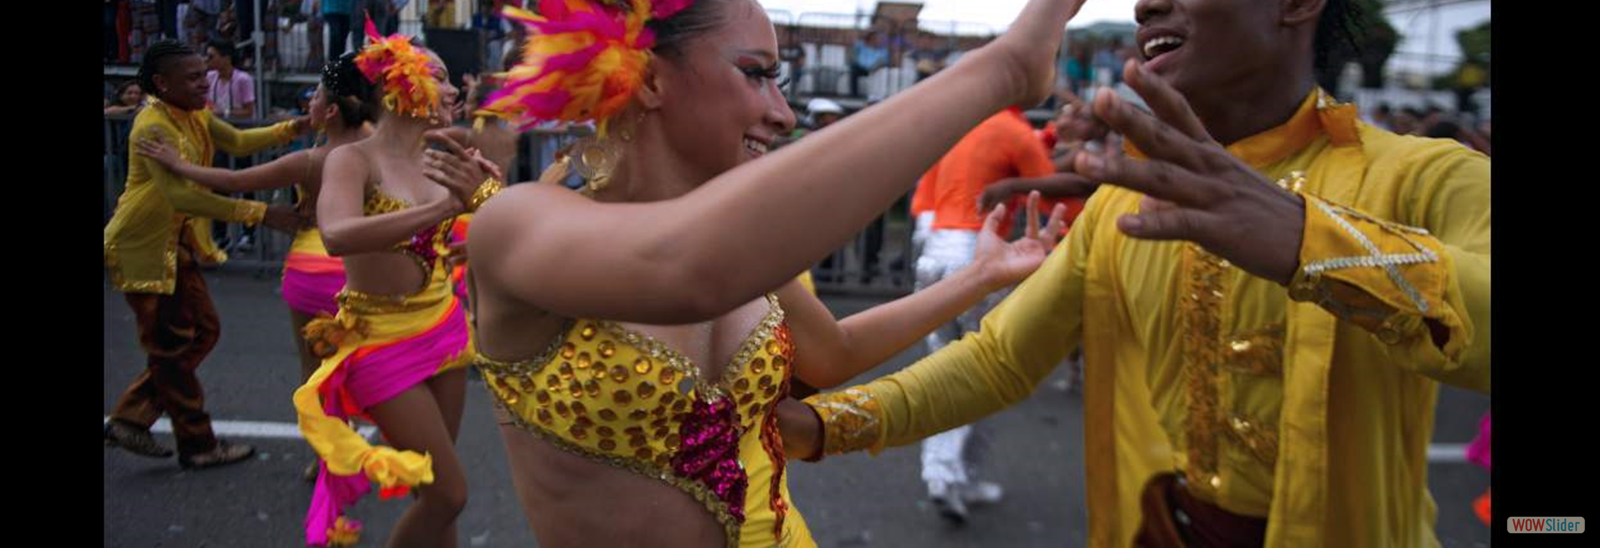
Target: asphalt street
[[1033, 450]]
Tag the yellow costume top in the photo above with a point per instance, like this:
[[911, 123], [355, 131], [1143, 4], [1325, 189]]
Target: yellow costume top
[[1311, 405], [308, 241], [141, 241], [375, 348], [624, 399]]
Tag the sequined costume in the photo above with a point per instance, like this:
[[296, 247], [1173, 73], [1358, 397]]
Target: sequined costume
[[622, 398], [376, 347]]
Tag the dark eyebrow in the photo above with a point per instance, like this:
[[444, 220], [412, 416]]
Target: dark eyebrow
[[763, 54]]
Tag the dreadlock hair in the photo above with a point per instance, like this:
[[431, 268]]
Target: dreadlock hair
[[350, 90], [1341, 26], [156, 60]]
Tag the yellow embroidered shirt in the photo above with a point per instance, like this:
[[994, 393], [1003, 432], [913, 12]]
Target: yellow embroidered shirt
[[141, 241], [1311, 405]]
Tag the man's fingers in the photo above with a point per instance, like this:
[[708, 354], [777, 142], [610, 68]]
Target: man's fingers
[[1168, 105], [1170, 224], [1157, 178], [1153, 136]]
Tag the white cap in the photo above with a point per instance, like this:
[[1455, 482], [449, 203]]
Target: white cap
[[823, 106]]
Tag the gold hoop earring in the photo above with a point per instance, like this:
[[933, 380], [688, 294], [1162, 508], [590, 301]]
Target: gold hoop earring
[[595, 160]]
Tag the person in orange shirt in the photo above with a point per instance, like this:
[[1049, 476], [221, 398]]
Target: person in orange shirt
[[1003, 146], [1074, 129]]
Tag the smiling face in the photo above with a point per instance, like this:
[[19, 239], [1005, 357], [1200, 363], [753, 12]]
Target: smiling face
[[1202, 45], [448, 93], [131, 95], [182, 82], [720, 102]]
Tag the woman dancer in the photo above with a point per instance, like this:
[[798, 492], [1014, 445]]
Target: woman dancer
[[394, 351], [637, 434]]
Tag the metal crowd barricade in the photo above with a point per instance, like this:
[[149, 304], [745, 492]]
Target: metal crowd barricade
[[878, 262]]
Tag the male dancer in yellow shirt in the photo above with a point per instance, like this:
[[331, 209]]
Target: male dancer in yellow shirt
[[153, 245], [1268, 292]]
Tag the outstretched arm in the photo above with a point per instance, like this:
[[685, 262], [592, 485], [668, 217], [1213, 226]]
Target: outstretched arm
[[677, 267]]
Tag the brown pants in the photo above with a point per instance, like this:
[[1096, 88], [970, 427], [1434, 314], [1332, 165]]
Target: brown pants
[[1173, 518], [176, 331]]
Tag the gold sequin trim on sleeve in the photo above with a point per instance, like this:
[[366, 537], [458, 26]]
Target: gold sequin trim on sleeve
[[850, 420], [1393, 316], [249, 211], [1375, 258]]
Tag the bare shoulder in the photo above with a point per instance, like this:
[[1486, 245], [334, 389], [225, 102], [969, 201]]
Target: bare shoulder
[[520, 203], [351, 158], [348, 154], [521, 209]]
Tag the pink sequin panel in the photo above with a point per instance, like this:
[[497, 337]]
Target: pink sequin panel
[[710, 453], [422, 244]]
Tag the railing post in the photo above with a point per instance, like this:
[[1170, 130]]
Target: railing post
[[258, 40]]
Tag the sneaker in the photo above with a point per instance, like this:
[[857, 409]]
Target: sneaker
[[136, 440], [947, 501], [983, 492], [224, 453]]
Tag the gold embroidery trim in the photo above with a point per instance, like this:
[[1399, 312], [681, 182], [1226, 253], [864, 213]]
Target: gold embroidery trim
[[849, 420], [165, 286], [1258, 352], [1375, 258], [1260, 440], [249, 211], [754, 341], [1198, 316], [373, 303], [524, 370]]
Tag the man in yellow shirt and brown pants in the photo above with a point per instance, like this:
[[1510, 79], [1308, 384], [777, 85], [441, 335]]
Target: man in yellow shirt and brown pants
[[153, 244], [1267, 290]]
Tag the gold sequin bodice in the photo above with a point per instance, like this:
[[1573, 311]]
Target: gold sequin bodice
[[625, 399], [427, 246]]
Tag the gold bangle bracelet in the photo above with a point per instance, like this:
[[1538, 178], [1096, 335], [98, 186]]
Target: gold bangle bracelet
[[488, 189]]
